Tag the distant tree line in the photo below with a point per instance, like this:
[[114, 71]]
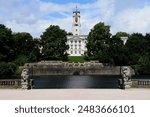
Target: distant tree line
[[109, 49], [16, 49]]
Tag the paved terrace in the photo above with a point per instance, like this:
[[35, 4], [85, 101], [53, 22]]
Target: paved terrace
[[75, 94]]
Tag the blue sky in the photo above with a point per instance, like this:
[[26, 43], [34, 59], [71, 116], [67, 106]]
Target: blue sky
[[34, 16], [70, 1]]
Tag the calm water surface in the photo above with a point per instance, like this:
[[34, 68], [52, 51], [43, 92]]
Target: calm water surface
[[46, 82], [76, 82]]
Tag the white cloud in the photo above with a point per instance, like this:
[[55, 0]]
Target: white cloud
[[53, 7], [132, 20], [93, 13], [34, 16], [106, 9]]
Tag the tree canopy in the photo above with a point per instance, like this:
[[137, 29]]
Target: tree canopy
[[19, 48], [118, 52], [111, 49], [15, 50], [97, 42], [54, 44], [122, 34], [25, 45], [139, 52], [6, 44]]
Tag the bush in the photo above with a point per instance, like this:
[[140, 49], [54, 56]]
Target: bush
[[21, 60], [7, 70]]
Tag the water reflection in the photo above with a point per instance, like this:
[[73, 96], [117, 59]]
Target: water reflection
[[76, 82]]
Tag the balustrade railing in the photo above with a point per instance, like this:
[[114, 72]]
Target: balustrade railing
[[10, 83], [144, 82], [141, 83]]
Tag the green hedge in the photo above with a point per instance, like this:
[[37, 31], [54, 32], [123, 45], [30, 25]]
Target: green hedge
[[7, 70]]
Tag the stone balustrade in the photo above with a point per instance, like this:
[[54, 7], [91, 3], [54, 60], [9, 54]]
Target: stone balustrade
[[144, 82], [13, 83], [141, 83], [10, 83]]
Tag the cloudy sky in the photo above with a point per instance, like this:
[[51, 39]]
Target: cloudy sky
[[34, 16]]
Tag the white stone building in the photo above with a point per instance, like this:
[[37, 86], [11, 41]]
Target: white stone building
[[124, 39], [76, 42]]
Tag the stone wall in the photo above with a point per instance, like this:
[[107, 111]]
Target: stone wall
[[141, 83], [66, 68]]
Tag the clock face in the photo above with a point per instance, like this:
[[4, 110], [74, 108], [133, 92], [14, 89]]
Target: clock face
[[76, 19]]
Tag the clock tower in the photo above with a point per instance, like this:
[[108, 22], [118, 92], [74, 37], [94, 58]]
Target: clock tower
[[76, 22], [76, 42]]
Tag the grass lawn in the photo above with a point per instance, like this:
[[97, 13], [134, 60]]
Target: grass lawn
[[77, 59]]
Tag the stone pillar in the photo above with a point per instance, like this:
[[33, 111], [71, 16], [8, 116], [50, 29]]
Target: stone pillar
[[126, 82], [25, 79]]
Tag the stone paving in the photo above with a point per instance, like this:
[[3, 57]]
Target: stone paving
[[75, 94]]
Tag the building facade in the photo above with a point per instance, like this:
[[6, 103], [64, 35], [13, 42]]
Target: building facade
[[76, 42]]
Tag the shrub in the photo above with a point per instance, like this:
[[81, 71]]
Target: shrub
[[7, 70]]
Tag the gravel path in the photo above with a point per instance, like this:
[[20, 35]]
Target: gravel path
[[75, 94]]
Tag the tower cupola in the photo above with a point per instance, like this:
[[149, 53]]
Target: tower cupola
[[76, 22]]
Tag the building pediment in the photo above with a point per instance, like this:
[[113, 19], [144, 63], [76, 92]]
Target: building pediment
[[79, 37]]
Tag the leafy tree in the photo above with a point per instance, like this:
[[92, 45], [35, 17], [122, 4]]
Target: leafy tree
[[35, 54], [147, 44], [122, 34], [136, 45], [97, 43], [25, 45], [118, 51], [144, 65], [7, 70], [21, 60], [69, 33], [6, 44], [54, 44]]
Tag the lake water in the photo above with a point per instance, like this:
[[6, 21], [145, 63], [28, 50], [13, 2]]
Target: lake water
[[45, 82]]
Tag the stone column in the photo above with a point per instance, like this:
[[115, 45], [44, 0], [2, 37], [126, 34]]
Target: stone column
[[25, 79], [126, 82]]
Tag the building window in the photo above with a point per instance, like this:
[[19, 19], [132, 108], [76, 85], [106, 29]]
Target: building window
[[75, 52], [71, 41], [75, 41], [71, 46], [79, 46], [79, 52], [75, 46], [79, 41], [71, 52]]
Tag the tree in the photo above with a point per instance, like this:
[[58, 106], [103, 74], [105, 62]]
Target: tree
[[23, 43], [121, 34], [69, 33], [136, 45], [118, 51], [147, 39], [54, 44], [26, 47], [35, 54], [97, 43], [7, 70], [144, 65], [6, 44]]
